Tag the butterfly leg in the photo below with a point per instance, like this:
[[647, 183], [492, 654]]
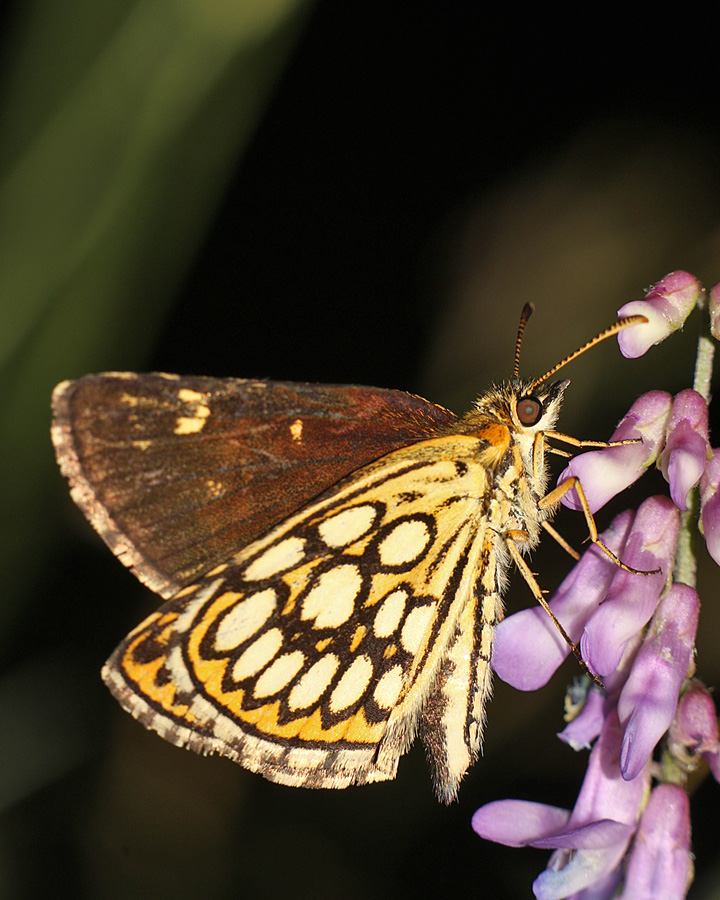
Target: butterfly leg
[[513, 547], [555, 495]]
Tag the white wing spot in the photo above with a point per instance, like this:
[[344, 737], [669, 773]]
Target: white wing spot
[[276, 559], [404, 543], [244, 619], [390, 612], [296, 430], [352, 685], [347, 526], [258, 654], [279, 674], [415, 627], [314, 682], [331, 600], [387, 691]]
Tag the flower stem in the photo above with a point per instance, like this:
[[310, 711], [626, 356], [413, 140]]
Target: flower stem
[[703, 366], [685, 560]]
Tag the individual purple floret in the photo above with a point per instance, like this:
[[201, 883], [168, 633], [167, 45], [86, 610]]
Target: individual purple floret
[[694, 730], [649, 698], [590, 842], [604, 473], [686, 445], [660, 865], [714, 310], [528, 648], [632, 598], [710, 505], [666, 306]]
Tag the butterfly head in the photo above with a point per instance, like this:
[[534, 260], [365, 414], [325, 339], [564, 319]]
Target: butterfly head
[[522, 407]]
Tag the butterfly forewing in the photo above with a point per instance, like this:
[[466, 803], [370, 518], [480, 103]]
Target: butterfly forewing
[[310, 654], [177, 473]]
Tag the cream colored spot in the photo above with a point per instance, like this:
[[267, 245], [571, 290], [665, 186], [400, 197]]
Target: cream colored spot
[[129, 399], [141, 445], [415, 627], [332, 599], [314, 682], [244, 619], [389, 615], [347, 526], [192, 424], [352, 685], [404, 543], [279, 674], [258, 654], [276, 559], [296, 430], [188, 396], [389, 687]]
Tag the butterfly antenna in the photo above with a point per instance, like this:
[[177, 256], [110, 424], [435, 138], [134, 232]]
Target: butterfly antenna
[[528, 310], [609, 332]]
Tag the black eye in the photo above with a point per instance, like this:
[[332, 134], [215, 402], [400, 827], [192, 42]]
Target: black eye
[[529, 411]]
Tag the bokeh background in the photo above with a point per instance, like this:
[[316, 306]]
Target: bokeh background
[[335, 192]]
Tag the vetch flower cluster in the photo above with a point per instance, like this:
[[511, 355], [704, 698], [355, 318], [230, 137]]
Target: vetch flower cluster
[[630, 828]]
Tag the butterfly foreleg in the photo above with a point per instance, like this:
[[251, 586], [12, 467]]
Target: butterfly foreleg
[[558, 492], [529, 576]]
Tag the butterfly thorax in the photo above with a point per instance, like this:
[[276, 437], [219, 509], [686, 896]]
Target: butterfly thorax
[[510, 421]]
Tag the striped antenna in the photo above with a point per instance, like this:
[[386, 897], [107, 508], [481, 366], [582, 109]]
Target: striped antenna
[[528, 310]]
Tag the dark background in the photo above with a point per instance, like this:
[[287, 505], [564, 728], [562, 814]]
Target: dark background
[[418, 172]]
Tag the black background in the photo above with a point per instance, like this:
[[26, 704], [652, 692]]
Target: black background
[[407, 152]]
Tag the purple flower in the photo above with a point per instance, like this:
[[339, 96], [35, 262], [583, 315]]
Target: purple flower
[[660, 865], [649, 698], [710, 505], [591, 841], [528, 648], [714, 309], [604, 473], [632, 598], [666, 306], [686, 445], [694, 730]]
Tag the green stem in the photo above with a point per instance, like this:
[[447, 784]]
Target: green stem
[[685, 560]]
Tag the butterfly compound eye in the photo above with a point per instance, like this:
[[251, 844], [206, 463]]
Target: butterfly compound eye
[[529, 411]]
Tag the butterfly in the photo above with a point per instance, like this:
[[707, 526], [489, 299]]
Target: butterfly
[[332, 559]]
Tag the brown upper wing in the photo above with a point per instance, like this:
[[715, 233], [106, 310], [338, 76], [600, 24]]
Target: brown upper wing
[[177, 473]]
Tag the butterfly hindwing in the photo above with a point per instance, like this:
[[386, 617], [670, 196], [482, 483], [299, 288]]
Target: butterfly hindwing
[[314, 654], [177, 473]]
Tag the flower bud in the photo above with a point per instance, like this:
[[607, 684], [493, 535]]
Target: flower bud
[[714, 310], [686, 445], [694, 730], [710, 505], [666, 306]]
